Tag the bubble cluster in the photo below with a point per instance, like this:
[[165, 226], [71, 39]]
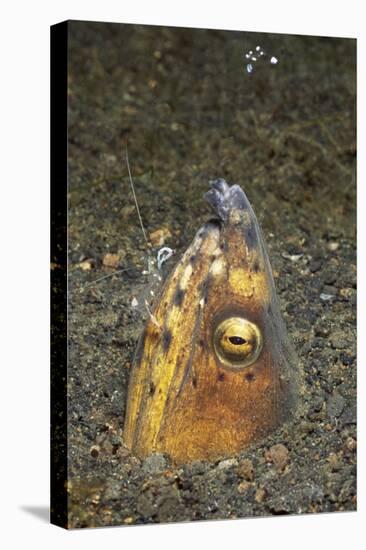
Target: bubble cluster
[[252, 57]]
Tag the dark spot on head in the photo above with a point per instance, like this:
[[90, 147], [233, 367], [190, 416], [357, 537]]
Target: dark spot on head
[[203, 344], [249, 377], [152, 388], [221, 376], [250, 235], [154, 335], [223, 246], [256, 266], [178, 297], [166, 339], [193, 258]]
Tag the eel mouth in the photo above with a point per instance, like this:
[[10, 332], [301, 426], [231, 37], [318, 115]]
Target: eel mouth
[[224, 198]]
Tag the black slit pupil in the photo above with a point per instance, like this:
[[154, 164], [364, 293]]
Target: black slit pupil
[[237, 340]]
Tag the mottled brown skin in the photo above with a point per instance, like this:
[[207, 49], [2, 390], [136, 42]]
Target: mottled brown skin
[[183, 399]]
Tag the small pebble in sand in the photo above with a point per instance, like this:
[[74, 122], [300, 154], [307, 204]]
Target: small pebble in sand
[[278, 455], [110, 260], [347, 293], [334, 462], [94, 451], [335, 405], [246, 470], [155, 464], [243, 487], [109, 159], [228, 463], [326, 297], [86, 265], [128, 521], [159, 236], [351, 444], [292, 257], [260, 495], [339, 340], [95, 499]]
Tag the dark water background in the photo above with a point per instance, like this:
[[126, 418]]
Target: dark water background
[[190, 112]]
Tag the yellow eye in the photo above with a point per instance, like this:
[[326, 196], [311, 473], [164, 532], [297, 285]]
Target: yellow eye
[[238, 342]]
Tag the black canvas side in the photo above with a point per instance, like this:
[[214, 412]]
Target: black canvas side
[[59, 41]]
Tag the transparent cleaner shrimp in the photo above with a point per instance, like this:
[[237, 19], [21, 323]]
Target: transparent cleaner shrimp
[[154, 267]]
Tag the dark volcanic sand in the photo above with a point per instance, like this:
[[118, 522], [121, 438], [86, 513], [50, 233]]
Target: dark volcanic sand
[[286, 133]]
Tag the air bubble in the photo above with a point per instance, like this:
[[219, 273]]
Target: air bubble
[[258, 56]]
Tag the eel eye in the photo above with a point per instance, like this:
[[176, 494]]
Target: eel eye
[[237, 342]]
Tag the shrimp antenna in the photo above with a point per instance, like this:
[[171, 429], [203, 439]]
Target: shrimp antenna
[[83, 287], [142, 227], [134, 196]]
